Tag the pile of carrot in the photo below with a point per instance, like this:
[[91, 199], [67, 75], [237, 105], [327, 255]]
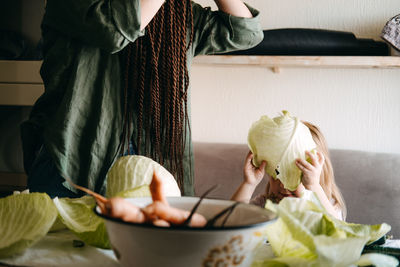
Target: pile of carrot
[[158, 213]]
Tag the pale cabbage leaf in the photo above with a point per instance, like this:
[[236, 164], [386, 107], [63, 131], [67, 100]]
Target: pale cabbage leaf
[[280, 141], [129, 173], [306, 235], [77, 214], [377, 259], [24, 220]]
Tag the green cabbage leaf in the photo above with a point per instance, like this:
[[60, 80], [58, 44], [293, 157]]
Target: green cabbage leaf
[[377, 259], [24, 220], [280, 141], [306, 235], [132, 173], [141, 191], [77, 214]]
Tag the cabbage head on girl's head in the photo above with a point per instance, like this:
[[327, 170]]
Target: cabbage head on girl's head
[[280, 141]]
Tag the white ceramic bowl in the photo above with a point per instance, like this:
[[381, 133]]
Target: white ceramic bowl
[[143, 245]]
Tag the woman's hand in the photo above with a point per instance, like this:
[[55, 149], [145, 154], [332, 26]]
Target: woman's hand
[[311, 171], [253, 175]]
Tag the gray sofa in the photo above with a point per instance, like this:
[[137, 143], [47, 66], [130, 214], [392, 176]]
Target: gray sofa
[[369, 182]]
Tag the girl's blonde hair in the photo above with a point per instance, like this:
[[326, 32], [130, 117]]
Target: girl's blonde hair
[[327, 180]]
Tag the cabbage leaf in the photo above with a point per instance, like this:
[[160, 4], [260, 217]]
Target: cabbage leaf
[[377, 259], [306, 235], [141, 191], [129, 173], [280, 141], [24, 220], [77, 214]]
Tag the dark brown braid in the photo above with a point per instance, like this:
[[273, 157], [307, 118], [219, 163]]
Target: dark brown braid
[[156, 88]]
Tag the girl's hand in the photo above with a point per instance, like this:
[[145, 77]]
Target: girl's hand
[[253, 175], [311, 171]]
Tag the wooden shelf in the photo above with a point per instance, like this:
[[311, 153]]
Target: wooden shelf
[[277, 62], [21, 84]]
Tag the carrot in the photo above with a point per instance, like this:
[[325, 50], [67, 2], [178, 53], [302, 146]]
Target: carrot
[[160, 210], [161, 223], [118, 207], [115, 207], [156, 189], [159, 213]]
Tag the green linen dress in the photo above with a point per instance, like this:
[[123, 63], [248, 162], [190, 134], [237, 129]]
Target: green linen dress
[[79, 116]]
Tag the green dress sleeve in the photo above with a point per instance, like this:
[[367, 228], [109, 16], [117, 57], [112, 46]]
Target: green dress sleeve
[[218, 32], [108, 24]]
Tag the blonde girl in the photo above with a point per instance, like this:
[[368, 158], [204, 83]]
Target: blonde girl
[[317, 177]]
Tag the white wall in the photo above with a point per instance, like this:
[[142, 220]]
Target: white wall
[[355, 108]]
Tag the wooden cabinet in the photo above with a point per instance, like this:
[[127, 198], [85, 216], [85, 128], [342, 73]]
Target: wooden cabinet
[[20, 82], [20, 85]]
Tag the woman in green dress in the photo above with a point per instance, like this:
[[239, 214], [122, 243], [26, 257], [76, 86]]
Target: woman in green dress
[[116, 77]]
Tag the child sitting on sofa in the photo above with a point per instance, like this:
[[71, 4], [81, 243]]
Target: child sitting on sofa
[[317, 177]]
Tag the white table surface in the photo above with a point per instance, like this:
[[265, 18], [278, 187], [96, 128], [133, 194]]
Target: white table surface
[[56, 249]]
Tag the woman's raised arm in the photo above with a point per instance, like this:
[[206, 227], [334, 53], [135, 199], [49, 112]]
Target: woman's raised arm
[[234, 7], [110, 25]]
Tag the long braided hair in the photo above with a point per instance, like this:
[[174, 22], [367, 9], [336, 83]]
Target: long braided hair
[[156, 88]]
